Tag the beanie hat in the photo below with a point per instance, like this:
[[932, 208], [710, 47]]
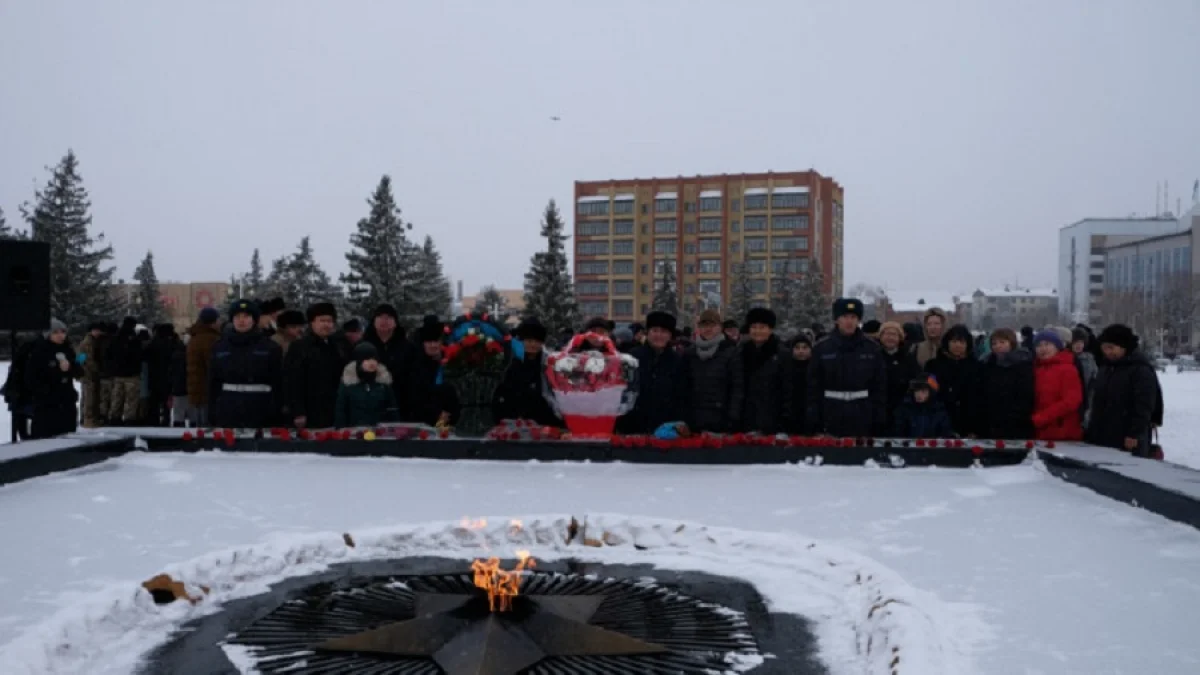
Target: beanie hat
[[892, 325], [385, 309], [709, 316], [1120, 335], [598, 322], [1063, 333], [761, 315], [290, 317], [1006, 334], [209, 315], [1081, 335], [244, 307], [844, 306], [56, 326], [318, 309], [365, 350], [432, 329], [801, 339], [1049, 336], [660, 320]]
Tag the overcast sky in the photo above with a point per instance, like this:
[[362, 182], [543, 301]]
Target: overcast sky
[[964, 133]]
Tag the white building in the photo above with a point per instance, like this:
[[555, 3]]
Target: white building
[[1011, 307], [1081, 260]]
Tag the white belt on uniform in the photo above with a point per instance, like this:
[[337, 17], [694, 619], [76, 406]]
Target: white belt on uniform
[[847, 395], [247, 388]]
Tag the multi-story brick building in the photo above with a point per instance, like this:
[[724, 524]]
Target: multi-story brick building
[[626, 230], [184, 301]]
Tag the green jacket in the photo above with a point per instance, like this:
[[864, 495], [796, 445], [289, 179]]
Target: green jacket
[[363, 404]]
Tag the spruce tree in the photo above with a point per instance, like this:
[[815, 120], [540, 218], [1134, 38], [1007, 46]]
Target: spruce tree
[[253, 283], [81, 276], [666, 291], [381, 256], [741, 292], [489, 300], [300, 281], [148, 304], [549, 294], [809, 302], [430, 287]]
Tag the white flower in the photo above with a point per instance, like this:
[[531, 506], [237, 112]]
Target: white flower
[[629, 360], [566, 364], [594, 365]]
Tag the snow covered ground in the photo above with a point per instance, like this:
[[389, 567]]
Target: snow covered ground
[[1005, 570]]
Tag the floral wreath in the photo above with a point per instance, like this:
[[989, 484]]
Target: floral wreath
[[588, 341]]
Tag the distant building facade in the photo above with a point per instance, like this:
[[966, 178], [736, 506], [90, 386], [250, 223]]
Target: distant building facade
[[627, 231], [183, 301], [1081, 259], [514, 303], [1011, 307], [911, 306]]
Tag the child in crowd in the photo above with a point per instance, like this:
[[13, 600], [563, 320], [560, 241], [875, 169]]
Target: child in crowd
[[922, 415]]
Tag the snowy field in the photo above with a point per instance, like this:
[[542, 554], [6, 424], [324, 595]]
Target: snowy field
[[1004, 571], [1181, 428]]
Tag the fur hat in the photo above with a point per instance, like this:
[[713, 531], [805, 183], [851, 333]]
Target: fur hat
[[243, 307], [272, 306], [385, 309], [352, 326], [432, 329], [531, 329], [318, 309], [728, 323], [1121, 336], [660, 320], [761, 315], [598, 322], [290, 317], [844, 306], [872, 327], [892, 325], [1006, 334], [1049, 336]]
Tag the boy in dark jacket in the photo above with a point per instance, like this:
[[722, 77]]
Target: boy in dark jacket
[[922, 415], [1126, 399], [365, 397]]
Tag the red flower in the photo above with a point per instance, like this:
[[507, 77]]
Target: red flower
[[920, 442], [423, 435], [999, 445], [305, 434], [444, 433], [977, 451], [199, 433], [494, 348], [470, 340], [187, 435]]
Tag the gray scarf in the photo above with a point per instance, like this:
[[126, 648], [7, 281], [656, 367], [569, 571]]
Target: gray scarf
[[706, 349]]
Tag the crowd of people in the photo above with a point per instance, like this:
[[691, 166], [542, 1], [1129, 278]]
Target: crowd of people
[[267, 366]]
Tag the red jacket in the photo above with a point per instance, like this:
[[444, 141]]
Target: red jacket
[[1057, 395]]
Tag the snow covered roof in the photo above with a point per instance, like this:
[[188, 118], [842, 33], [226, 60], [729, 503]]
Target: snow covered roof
[[755, 191], [666, 195], [796, 190], [710, 193], [919, 301], [623, 198], [598, 198], [1018, 292]]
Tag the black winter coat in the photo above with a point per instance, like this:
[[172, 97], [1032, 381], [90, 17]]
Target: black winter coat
[[798, 417], [767, 369], [428, 398], [663, 386], [1004, 397], [718, 389], [958, 384], [52, 390], [398, 354], [1124, 396], [902, 369], [124, 357], [16, 392], [178, 370], [158, 356], [312, 373], [847, 366], [241, 360], [521, 394]]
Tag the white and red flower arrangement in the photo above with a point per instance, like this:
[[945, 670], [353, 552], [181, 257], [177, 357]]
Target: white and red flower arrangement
[[591, 384]]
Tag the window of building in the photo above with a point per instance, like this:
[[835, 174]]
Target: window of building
[[689, 248], [789, 222], [758, 285], [756, 202], [789, 244], [623, 206], [622, 267], [623, 227], [593, 229], [735, 247], [593, 248], [756, 223], [754, 267], [593, 308], [756, 244], [783, 266], [735, 226], [689, 207], [710, 266], [710, 245], [735, 205], [593, 208], [659, 266], [623, 247], [645, 287], [623, 309], [710, 225], [710, 203], [665, 246], [664, 206], [689, 268], [789, 201], [689, 227], [1096, 278], [664, 226], [622, 287], [707, 287], [591, 268], [591, 288]]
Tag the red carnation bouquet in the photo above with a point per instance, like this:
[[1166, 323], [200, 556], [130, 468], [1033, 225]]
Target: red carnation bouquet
[[591, 387], [473, 351]]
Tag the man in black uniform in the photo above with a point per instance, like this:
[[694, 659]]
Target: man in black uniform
[[312, 370], [847, 387], [245, 378]]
